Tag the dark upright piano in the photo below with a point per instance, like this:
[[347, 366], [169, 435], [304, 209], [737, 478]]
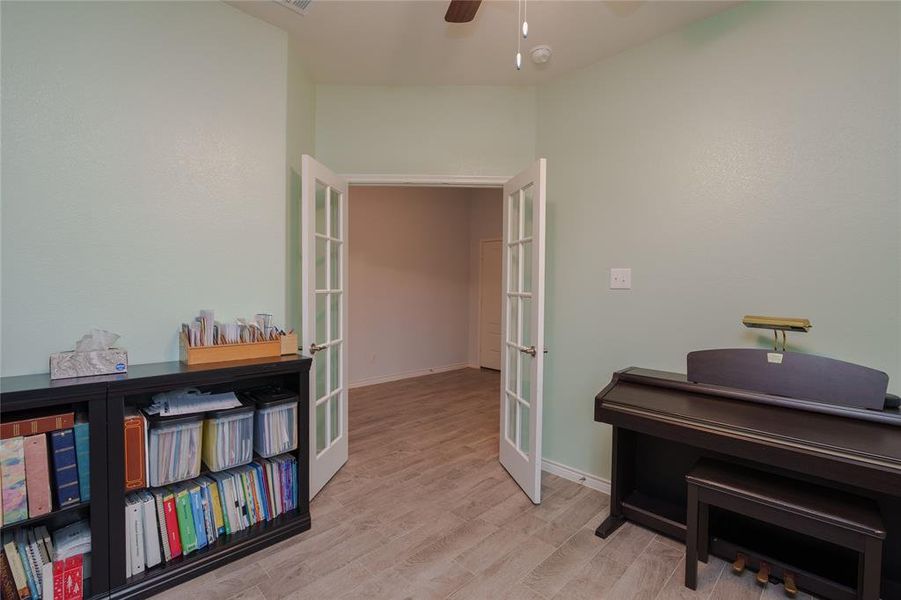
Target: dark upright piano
[[663, 423]]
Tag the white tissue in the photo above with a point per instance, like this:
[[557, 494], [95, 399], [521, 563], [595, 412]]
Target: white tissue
[[96, 339]]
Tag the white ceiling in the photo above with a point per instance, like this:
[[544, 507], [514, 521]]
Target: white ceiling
[[408, 41]]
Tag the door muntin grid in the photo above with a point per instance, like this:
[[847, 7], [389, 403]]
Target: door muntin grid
[[520, 367], [327, 361]]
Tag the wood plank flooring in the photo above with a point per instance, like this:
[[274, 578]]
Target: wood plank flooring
[[423, 509]]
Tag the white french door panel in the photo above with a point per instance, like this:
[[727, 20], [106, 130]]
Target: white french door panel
[[324, 323], [522, 328]]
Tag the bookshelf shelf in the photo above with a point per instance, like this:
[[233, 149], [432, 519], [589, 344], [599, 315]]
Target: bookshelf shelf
[[105, 399], [52, 515], [222, 551]]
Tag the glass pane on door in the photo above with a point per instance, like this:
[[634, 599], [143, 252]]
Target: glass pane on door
[[328, 248]]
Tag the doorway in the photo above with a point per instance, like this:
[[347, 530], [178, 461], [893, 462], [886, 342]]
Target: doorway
[[324, 247], [416, 280]]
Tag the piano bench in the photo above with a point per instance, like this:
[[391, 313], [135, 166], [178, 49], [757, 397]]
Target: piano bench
[[807, 509]]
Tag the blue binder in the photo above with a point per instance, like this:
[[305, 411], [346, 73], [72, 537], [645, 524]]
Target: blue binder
[[65, 468], [83, 456]]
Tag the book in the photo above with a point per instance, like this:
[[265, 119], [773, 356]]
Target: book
[[197, 514], [135, 426], [37, 475], [41, 424], [83, 457], [22, 548], [135, 541], [216, 502], [172, 535], [185, 520], [206, 500], [65, 470], [261, 491], [69, 573], [151, 530], [240, 500], [225, 508], [35, 563], [11, 550], [12, 480], [72, 539], [165, 550], [8, 588], [58, 591], [43, 536], [47, 581]]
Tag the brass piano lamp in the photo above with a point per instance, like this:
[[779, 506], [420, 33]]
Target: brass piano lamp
[[777, 324]]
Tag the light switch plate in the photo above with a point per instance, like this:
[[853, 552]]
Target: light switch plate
[[621, 278]]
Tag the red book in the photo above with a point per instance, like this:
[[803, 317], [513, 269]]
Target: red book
[[67, 579], [37, 475], [172, 525], [43, 424], [72, 579], [58, 579]]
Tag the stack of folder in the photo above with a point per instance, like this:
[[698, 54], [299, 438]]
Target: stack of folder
[[168, 522]]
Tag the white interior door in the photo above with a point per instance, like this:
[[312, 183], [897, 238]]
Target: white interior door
[[324, 275], [522, 328], [490, 304]]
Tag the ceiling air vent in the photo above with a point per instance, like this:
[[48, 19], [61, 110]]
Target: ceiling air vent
[[299, 6]]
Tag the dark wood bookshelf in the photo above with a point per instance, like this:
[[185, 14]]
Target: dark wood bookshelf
[[60, 513], [105, 398], [222, 551]]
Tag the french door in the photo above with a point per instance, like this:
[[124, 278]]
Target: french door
[[522, 328], [324, 293]]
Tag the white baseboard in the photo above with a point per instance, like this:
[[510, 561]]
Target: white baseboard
[[408, 375], [587, 479]]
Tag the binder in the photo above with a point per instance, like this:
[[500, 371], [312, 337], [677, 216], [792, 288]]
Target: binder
[[151, 530], [185, 520], [65, 469], [37, 475], [197, 514], [172, 531], [164, 529], [12, 480], [83, 459]]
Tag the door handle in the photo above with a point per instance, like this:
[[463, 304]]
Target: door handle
[[314, 348], [531, 351]]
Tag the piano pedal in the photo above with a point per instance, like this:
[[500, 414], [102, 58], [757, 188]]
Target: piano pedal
[[763, 574], [791, 588], [741, 561]]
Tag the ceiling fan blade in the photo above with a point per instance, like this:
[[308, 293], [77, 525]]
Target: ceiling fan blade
[[462, 11]]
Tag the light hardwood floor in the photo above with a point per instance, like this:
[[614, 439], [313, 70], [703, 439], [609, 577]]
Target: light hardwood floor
[[423, 509]]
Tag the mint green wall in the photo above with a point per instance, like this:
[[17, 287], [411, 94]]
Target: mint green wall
[[434, 130], [746, 164], [301, 140], [143, 160]]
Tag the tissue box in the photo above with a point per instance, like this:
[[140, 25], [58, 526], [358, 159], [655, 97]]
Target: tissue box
[[92, 362]]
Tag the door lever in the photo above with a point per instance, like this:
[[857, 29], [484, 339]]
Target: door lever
[[531, 351], [314, 348]]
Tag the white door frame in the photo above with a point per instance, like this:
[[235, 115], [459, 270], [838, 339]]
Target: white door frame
[[395, 180], [479, 297]]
